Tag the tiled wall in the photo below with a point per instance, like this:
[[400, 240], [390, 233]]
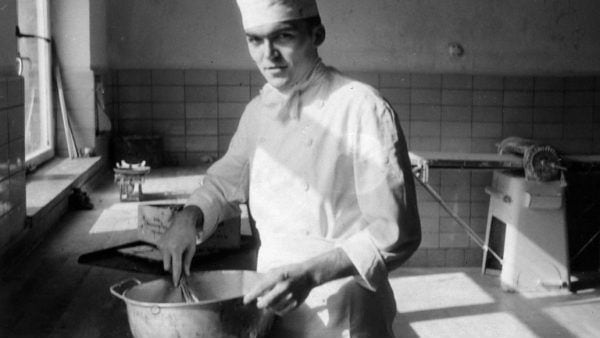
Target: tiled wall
[[196, 112], [12, 153]]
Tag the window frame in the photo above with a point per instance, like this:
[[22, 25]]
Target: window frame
[[44, 87]]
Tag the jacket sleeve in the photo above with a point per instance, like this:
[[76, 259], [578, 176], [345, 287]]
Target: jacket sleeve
[[390, 227], [225, 184]]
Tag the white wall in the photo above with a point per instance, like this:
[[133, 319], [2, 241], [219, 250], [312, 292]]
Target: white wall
[[508, 37], [98, 52]]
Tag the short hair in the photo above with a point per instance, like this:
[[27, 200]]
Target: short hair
[[315, 22]]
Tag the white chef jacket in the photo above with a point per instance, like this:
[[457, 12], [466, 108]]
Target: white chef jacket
[[323, 167]]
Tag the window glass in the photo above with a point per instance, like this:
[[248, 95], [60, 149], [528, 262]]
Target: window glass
[[35, 65]]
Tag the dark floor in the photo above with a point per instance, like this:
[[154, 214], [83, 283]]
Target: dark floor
[[49, 294]]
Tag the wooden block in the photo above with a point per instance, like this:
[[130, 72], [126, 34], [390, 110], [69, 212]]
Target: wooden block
[[155, 219]]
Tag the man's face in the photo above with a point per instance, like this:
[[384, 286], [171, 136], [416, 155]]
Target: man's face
[[284, 52]]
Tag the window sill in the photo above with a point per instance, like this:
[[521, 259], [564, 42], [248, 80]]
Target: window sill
[[50, 186]]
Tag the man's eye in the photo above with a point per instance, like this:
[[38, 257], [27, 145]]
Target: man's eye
[[253, 40], [284, 37]]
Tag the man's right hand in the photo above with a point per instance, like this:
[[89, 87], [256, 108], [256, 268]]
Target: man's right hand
[[178, 243]]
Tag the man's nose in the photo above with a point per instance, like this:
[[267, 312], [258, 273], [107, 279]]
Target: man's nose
[[271, 50]]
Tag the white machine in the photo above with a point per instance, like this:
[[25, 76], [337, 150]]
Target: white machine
[[527, 227]]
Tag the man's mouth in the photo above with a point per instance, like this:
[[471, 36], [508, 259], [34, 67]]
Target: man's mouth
[[275, 67]]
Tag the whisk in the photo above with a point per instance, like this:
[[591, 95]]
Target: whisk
[[188, 294]]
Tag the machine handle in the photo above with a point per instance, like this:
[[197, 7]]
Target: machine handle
[[118, 290], [493, 192]]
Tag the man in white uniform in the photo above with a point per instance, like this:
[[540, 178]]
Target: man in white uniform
[[323, 165]]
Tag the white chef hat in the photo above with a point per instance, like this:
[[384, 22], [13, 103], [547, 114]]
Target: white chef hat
[[261, 12]]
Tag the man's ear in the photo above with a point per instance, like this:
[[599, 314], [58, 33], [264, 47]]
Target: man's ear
[[318, 35]]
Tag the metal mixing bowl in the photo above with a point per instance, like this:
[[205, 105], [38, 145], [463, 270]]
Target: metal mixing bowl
[[157, 308]]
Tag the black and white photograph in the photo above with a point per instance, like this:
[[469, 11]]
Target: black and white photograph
[[299, 168]]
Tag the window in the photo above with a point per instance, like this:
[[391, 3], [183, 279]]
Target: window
[[35, 66]]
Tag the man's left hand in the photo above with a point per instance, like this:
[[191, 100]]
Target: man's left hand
[[281, 290]]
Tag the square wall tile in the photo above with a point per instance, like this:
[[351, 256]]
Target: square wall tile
[[202, 143], [169, 127], [519, 114], [488, 98], [547, 115], [456, 113], [436, 257], [168, 77], [202, 127], [578, 130], [425, 81], [17, 188], [487, 114], [174, 144], [429, 210], [456, 144], [454, 240], [430, 224], [579, 98], [518, 99], [488, 82], [484, 145], [228, 126], [424, 143], [169, 111], [370, 78], [456, 129], [487, 130], [430, 240], [455, 257], [4, 161], [579, 114], [396, 95], [422, 128], [134, 77], [394, 80], [3, 126], [457, 81], [135, 94], [231, 110], [135, 110], [15, 92], [5, 202], [551, 83], [547, 131], [201, 110], [481, 178], [233, 77], [16, 155], [201, 94], [520, 129], [16, 123], [167, 94], [518, 83], [402, 111], [549, 99], [234, 94], [135, 127], [200, 77], [580, 83], [473, 257], [454, 97], [425, 96], [424, 112]]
